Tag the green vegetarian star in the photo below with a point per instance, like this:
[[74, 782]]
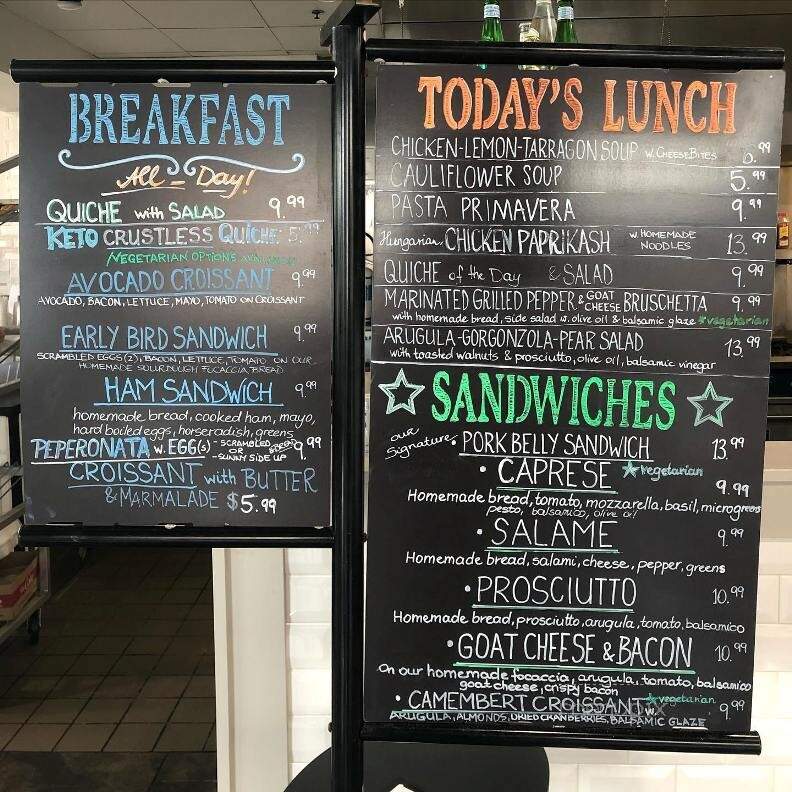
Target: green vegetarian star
[[401, 402], [709, 406], [630, 469]]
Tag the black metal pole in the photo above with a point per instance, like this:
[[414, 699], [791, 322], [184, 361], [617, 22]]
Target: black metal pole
[[345, 31], [713, 58], [179, 71]]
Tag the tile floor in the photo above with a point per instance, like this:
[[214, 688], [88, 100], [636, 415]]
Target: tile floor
[[125, 665]]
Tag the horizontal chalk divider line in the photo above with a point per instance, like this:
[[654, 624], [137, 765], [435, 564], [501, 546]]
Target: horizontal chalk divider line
[[155, 295], [117, 461], [380, 251], [506, 192], [164, 245], [450, 160], [181, 404], [537, 456], [413, 224], [537, 326], [556, 667], [561, 287], [560, 489], [203, 222], [680, 741], [487, 365], [151, 353], [552, 550], [552, 608], [102, 485], [177, 536]]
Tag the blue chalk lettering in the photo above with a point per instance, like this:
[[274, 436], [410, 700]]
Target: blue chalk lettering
[[79, 116], [128, 117], [206, 119], [231, 113], [278, 100], [256, 119], [155, 122]]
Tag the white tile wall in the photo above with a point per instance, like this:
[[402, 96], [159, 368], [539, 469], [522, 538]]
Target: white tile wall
[[785, 585], [627, 778], [296, 767], [308, 641], [776, 739], [577, 770], [580, 756], [309, 561], [775, 558], [309, 646], [766, 703], [773, 647], [308, 737], [767, 599], [310, 692], [783, 779], [309, 599], [563, 778], [724, 779], [784, 695]]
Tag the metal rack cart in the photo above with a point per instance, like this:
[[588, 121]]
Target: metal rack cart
[[11, 473]]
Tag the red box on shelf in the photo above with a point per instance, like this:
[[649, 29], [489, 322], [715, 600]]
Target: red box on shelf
[[18, 583]]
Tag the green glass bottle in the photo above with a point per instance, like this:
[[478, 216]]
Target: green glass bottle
[[491, 30], [565, 32]]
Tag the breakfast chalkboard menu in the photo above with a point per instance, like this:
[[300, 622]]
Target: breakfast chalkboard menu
[[176, 281], [571, 334]]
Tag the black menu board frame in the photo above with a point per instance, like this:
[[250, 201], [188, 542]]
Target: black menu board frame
[[510, 235], [280, 257]]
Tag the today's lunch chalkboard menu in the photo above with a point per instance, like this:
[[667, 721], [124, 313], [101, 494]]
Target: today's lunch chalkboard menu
[[571, 334], [176, 281]]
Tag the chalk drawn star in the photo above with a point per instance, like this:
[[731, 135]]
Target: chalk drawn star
[[705, 406], [630, 469], [395, 403]]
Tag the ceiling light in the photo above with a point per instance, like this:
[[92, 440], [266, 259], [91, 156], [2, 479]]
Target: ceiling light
[[70, 5]]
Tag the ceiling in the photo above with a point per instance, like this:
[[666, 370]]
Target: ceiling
[[284, 29], [184, 28], [289, 28]]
